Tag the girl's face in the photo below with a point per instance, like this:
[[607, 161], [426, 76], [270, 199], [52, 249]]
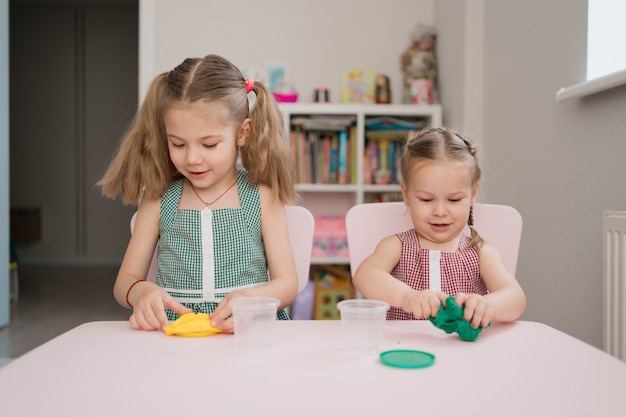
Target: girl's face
[[439, 195], [203, 143]]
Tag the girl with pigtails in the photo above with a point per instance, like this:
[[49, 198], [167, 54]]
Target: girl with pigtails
[[218, 229]]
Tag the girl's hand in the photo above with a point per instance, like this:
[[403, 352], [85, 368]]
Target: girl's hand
[[478, 310], [423, 304], [222, 316], [149, 308]]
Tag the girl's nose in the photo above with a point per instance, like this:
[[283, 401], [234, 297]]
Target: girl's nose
[[193, 157], [440, 209]]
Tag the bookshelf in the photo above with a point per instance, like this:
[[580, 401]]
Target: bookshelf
[[311, 126]]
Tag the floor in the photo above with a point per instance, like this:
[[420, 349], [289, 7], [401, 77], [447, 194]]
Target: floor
[[53, 300]]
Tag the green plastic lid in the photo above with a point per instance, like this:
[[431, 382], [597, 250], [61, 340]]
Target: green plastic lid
[[407, 358]]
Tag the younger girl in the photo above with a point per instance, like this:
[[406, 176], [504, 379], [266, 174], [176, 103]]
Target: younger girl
[[440, 180], [218, 228]]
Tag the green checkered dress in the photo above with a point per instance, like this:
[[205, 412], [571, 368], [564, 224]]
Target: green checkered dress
[[205, 254]]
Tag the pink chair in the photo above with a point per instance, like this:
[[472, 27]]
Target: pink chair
[[301, 224], [367, 224]]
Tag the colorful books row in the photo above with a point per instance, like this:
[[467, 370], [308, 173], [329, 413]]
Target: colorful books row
[[324, 148], [381, 162], [385, 137], [324, 156]]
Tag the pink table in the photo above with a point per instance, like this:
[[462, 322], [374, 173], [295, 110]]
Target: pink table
[[107, 369]]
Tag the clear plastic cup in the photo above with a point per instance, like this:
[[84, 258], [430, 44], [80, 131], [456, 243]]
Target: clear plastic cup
[[363, 324], [254, 319]]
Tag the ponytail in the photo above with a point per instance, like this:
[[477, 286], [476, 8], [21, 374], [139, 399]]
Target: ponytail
[[266, 155]]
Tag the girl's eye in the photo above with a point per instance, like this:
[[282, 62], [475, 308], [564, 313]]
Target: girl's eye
[[426, 200], [455, 200], [210, 145], [177, 145]]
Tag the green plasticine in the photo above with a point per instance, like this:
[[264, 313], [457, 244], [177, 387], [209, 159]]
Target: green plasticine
[[450, 319]]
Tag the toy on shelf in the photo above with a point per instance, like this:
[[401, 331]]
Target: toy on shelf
[[419, 68], [357, 85], [330, 239], [382, 90], [332, 285]]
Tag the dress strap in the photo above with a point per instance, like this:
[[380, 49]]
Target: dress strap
[[169, 204], [250, 204]]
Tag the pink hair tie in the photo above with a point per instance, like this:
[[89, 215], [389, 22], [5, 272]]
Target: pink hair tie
[[249, 84]]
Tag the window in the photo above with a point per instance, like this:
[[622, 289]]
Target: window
[[606, 49], [606, 37]]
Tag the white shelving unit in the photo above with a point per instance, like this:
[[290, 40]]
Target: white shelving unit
[[332, 199]]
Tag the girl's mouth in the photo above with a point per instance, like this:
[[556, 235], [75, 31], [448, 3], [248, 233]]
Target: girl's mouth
[[439, 226], [196, 174]]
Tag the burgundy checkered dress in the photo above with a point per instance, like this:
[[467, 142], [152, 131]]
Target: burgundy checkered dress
[[459, 270]]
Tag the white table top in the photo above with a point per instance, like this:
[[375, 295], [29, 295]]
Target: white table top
[[517, 369]]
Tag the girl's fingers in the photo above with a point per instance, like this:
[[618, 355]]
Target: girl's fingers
[[151, 318], [221, 318], [228, 325], [477, 317], [435, 303]]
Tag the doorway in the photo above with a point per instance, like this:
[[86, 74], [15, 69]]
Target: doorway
[[73, 68]]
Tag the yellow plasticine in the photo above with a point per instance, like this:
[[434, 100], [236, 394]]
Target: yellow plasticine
[[192, 325]]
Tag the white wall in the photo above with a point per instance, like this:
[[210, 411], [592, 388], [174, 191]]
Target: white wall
[[316, 39], [4, 163], [561, 165]]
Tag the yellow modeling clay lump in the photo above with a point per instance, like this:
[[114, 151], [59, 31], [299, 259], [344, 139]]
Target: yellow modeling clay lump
[[192, 325]]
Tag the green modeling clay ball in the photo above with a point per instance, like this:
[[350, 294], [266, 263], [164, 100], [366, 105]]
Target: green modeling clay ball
[[450, 319]]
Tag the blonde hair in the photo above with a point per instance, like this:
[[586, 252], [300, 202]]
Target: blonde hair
[[142, 167], [442, 144]]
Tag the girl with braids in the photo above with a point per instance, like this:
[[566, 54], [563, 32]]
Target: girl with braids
[[440, 180], [218, 229]]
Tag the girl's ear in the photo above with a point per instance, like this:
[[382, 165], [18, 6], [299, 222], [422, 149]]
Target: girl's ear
[[244, 132], [404, 193], [475, 192]]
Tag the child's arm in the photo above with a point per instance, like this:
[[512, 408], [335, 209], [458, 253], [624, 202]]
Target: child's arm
[[283, 283], [506, 300], [148, 299], [374, 280]]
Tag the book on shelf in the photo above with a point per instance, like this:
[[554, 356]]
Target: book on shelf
[[313, 146], [321, 122], [353, 154], [342, 173], [393, 123], [384, 140], [334, 151], [396, 135], [326, 145], [324, 151], [381, 161]]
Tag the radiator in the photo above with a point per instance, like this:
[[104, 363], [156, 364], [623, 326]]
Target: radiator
[[614, 283]]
